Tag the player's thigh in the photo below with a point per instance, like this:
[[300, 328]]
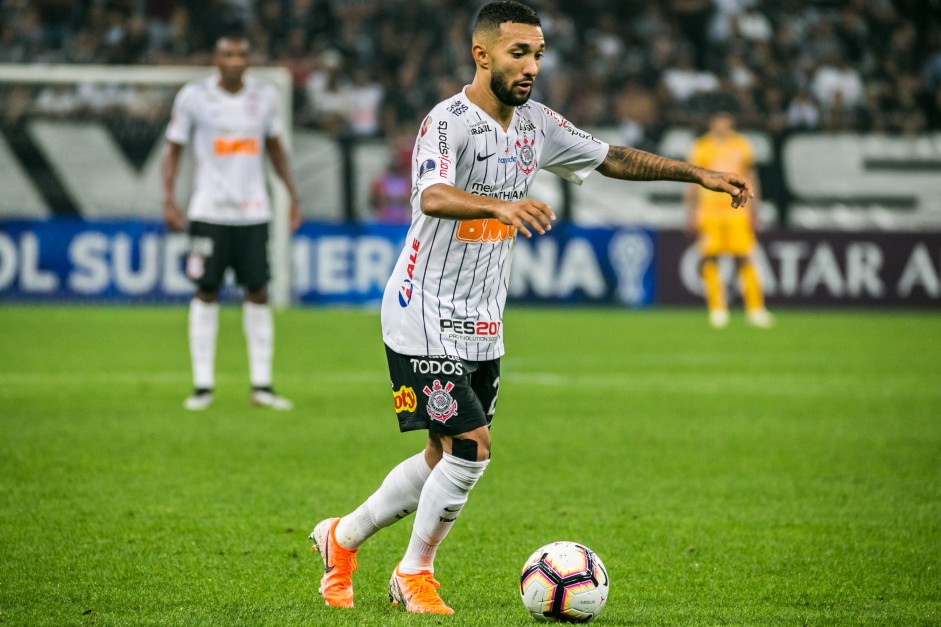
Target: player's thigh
[[711, 240], [209, 249], [250, 258], [741, 237], [485, 382], [435, 393]]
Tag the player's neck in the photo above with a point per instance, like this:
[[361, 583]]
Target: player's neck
[[483, 97], [232, 87]]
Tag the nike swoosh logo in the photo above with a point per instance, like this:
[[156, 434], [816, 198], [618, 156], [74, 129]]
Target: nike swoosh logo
[[485, 157], [448, 509]]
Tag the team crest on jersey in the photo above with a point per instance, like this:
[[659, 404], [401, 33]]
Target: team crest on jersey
[[425, 125], [441, 405], [526, 153]]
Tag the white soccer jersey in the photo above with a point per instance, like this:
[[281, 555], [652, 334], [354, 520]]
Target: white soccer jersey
[[228, 136], [447, 292]]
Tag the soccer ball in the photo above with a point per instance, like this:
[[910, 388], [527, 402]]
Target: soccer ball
[[564, 582]]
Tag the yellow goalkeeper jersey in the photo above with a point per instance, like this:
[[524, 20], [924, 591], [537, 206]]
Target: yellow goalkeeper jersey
[[732, 153]]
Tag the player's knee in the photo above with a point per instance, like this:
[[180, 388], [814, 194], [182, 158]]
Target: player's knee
[[257, 295], [472, 449], [207, 295]]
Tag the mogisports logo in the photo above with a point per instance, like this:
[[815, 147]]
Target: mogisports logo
[[471, 330], [404, 399], [443, 137], [447, 366], [443, 149]]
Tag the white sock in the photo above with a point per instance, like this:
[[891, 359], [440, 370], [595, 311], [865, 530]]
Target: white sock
[[442, 499], [395, 499], [203, 329], [259, 337]]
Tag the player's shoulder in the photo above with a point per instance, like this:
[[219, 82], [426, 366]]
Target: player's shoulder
[[455, 109], [535, 115], [742, 139], [195, 88], [702, 140], [255, 85]]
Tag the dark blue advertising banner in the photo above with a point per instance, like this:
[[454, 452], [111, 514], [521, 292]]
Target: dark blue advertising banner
[[138, 261], [76, 260]]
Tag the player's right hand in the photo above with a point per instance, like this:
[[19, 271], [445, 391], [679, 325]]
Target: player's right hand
[[527, 214], [173, 216]]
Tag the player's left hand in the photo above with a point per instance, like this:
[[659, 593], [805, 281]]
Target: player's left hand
[[295, 217], [734, 185]]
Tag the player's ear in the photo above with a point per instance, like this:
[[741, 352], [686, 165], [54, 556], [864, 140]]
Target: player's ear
[[481, 55]]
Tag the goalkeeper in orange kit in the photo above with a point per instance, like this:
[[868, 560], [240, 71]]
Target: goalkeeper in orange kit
[[721, 229]]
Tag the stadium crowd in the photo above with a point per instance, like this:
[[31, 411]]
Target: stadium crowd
[[374, 67]]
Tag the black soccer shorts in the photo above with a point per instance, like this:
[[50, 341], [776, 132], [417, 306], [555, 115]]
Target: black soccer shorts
[[445, 395], [215, 247]]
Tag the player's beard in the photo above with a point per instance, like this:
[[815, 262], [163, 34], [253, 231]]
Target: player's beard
[[503, 90]]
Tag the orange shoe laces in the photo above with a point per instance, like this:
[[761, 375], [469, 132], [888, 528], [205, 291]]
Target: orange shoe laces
[[427, 592]]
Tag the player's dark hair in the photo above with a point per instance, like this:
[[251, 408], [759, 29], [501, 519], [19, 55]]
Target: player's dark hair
[[493, 14], [233, 30]]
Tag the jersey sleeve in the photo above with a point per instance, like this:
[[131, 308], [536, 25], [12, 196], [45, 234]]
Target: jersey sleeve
[[181, 117], [440, 140], [570, 152]]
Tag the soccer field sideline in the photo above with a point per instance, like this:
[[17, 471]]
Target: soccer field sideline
[[737, 477]]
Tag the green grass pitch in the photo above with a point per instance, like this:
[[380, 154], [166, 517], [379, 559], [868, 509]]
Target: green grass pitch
[[735, 477]]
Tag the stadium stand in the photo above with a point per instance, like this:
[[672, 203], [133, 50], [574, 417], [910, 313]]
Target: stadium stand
[[862, 65], [639, 73]]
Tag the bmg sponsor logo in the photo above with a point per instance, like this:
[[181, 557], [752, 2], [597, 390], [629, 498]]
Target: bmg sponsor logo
[[483, 230], [404, 400]]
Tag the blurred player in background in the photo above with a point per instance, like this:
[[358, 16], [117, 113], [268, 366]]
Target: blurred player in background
[[473, 163], [234, 122], [390, 193], [722, 229]]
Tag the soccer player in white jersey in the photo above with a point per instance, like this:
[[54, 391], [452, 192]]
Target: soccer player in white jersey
[[442, 314], [233, 122]]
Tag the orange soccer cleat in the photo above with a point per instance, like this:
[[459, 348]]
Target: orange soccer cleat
[[418, 593], [339, 564]]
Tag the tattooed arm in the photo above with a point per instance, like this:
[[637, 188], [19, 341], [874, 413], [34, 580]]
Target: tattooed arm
[[630, 164]]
